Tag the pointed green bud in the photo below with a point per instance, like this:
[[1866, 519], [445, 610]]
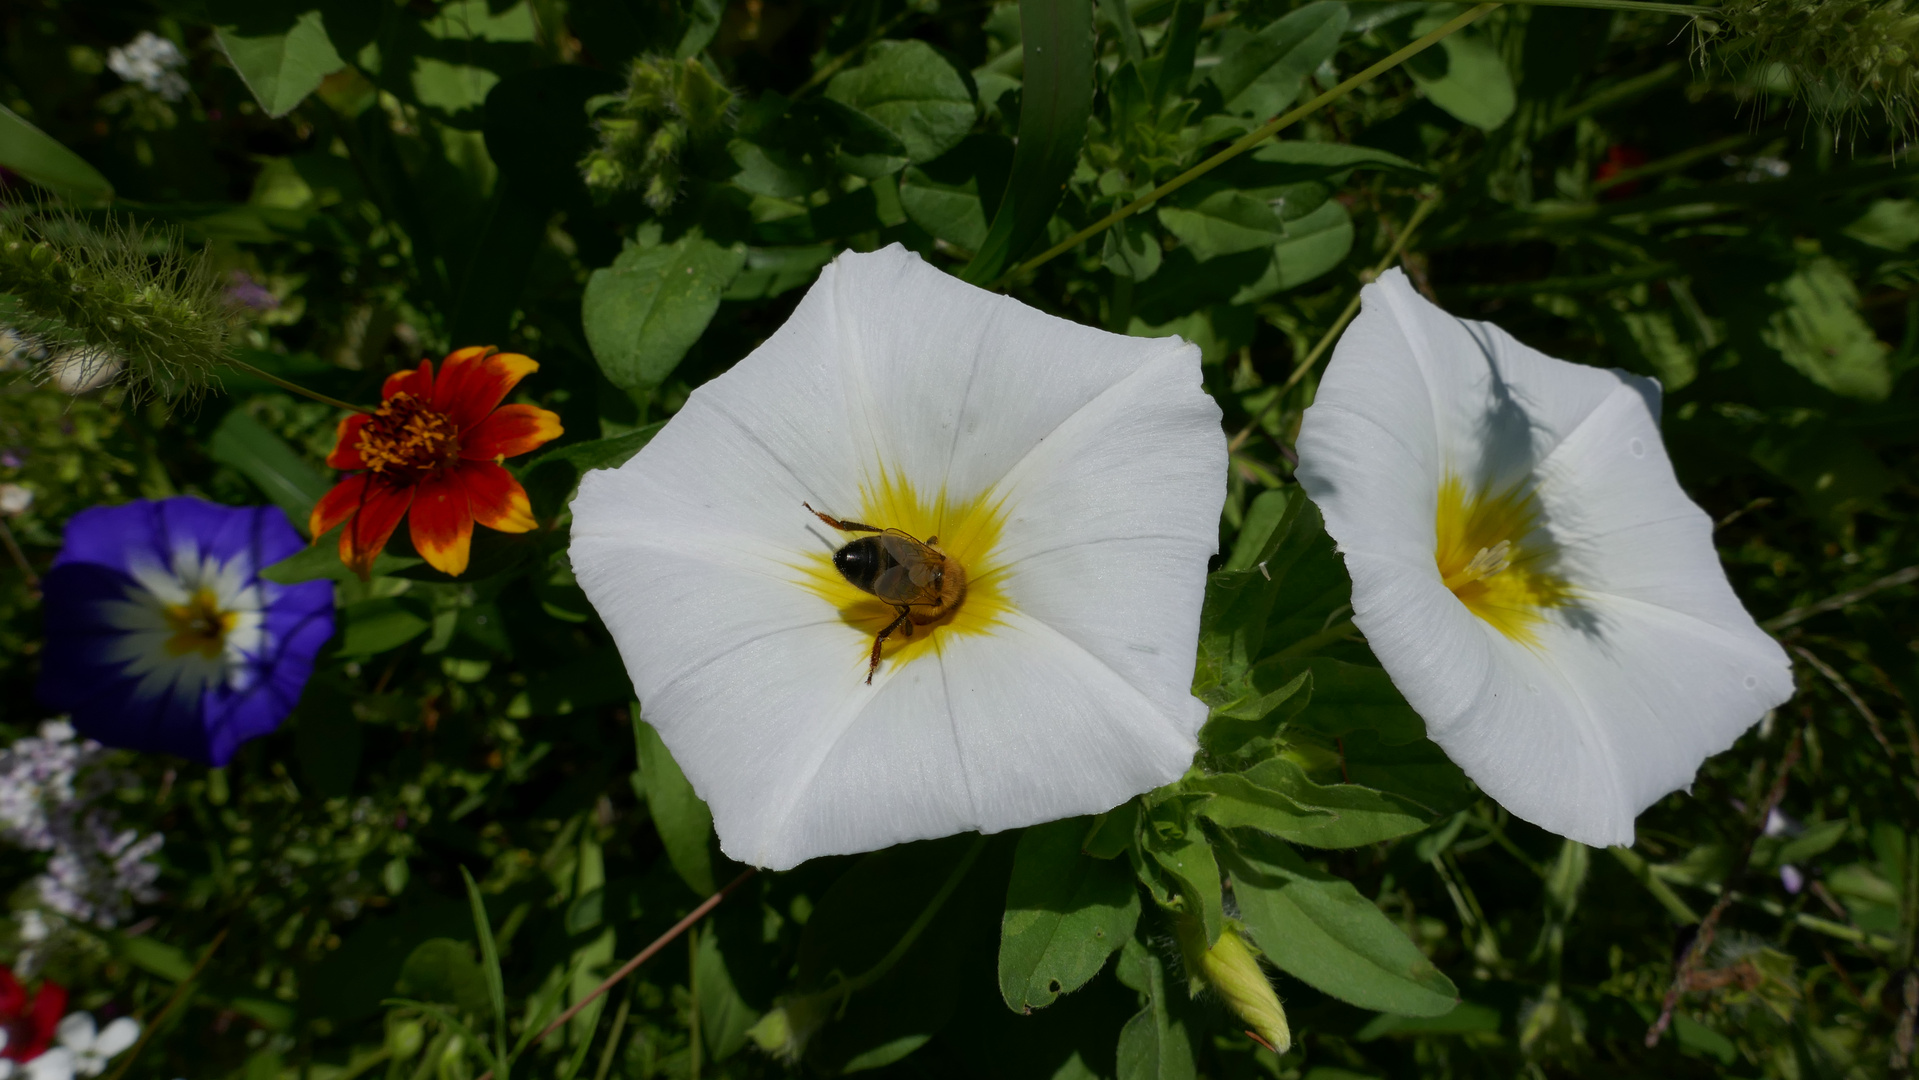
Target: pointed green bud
[[1230, 969], [783, 1032]]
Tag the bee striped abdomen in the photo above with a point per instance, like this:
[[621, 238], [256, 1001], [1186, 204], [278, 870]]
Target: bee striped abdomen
[[862, 562]]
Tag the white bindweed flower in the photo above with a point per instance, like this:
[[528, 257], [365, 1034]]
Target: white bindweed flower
[[91, 1047], [1074, 477], [1527, 568]]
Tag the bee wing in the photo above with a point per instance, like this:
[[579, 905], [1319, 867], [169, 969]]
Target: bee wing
[[912, 576], [895, 585]]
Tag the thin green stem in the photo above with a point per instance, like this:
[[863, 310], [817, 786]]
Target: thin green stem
[[898, 951], [296, 387], [1252, 139], [1332, 333], [181, 991]]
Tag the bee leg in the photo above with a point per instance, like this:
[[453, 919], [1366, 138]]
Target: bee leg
[[879, 639], [843, 526]]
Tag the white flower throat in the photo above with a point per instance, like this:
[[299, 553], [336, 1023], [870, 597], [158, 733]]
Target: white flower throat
[[189, 626]]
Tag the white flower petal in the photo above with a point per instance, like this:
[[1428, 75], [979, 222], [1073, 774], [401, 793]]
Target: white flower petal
[[1635, 665], [117, 1036], [1105, 461], [55, 1064], [76, 1031]]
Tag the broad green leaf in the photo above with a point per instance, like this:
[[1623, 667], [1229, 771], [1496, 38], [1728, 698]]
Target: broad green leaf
[[1187, 860], [608, 453], [1246, 729], [1056, 99], [1154, 1044], [443, 970], [375, 626], [1348, 698], [1131, 249], [772, 271], [685, 824], [1262, 518], [282, 69], [1356, 815], [274, 467], [42, 160], [1240, 802], [1312, 245], [1820, 332], [1325, 160], [1319, 929], [646, 310], [914, 92], [1891, 224], [725, 1016], [1224, 223], [1065, 914], [1259, 74], [1464, 76], [950, 212]]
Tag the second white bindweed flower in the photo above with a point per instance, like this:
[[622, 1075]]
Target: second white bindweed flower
[[1526, 567], [1072, 478]]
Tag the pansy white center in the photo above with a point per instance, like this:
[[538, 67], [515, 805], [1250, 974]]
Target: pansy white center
[[189, 625]]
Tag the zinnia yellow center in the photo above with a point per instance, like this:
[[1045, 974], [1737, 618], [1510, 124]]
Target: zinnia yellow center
[[1491, 556], [405, 436], [199, 626], [967, 532]]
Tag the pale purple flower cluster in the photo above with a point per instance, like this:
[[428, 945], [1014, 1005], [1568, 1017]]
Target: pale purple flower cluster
[[51, 787]]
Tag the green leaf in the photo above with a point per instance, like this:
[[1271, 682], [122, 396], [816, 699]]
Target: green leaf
[[1319, 929], [42, 160], [1242, 802], [1154, 1044], [1465, 76], [1056, 100], [1186, 859], [1223, 223], [1259, 74], [283, 68], [951, 212], [1890, 224], [375, 626], [1350, 697], [725, 1016], [772, 271], [1065, 914], [443, 970], [646, 310], [1355, 815], [1131, 249], [1820, 332], [684, 823], [274, 467], [914, 92], [489, 957], [1815, 841], [550, 478], [1311, 246]]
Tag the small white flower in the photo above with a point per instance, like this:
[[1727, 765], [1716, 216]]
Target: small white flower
[[93, 1047], [1075, 476], [150, 60], [1526, 567], [15, 498]]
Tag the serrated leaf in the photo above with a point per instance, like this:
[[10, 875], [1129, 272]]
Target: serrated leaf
[[1065, 914], [1319, 929], [645, 311], [282, 69]]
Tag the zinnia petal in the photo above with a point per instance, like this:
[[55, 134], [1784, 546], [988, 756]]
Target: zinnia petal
[[498, 500], [471, 383], [1076, 476], [346, 450], [442, 522], [1526, 567], [381, 506], [509, 432], [416, 381], [340, 502]]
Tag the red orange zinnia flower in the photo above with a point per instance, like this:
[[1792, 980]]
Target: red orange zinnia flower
[[434, 448]]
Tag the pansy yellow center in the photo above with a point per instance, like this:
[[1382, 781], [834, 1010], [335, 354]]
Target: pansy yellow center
[[967, 533], [407, 437], [1492, 556], [199, 625]]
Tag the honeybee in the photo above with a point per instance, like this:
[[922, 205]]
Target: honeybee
[[905, 573]]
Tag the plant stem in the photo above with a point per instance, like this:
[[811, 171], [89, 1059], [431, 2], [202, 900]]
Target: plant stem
[[296, 387], [180, 992], [642, 957], [1254, 138], [1332, 332], [898, 951], [18, 556], [1801, 614]]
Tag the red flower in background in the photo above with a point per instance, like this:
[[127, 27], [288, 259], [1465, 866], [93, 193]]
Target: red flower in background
[[27, 1021], [1620, 158], [433, 449]]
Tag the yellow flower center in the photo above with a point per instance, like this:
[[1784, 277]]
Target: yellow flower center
[[967, 532], [199, 626], [1493, 557], [405, 436]]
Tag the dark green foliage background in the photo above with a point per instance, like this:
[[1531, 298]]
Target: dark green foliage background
[[427, 195]]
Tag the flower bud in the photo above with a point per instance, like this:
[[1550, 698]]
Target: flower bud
[[784, 1031], [1230, 969]]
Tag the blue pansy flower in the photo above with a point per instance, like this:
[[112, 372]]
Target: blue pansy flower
[[161, 635]]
